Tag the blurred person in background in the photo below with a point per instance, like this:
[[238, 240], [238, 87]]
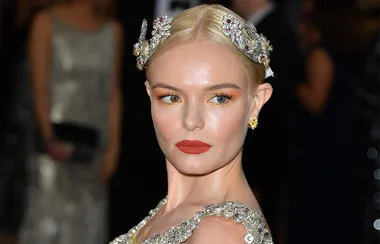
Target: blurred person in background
[[367, 112], [266, 151], [324, 173], [74, 58], [17, 124]]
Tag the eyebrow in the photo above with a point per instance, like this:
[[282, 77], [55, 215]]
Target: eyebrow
[[222, 86], [210, 88], [165, 86]]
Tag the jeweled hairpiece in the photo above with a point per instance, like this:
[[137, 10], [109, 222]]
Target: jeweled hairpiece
[[254, 46], [144, 48]]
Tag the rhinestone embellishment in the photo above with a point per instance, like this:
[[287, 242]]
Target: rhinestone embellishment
[[252, 220], [253, 45], [144, 48], [248, 238]]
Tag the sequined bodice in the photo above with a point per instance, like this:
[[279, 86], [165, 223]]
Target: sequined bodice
[[252, 220], [80, 83]]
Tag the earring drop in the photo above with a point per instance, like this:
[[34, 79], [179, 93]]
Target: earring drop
[[253, 123]]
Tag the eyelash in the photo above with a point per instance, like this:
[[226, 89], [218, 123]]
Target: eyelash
[[228, 97], [167, 95], [223, 95]]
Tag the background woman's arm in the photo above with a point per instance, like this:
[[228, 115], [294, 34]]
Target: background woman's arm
[[115, 104], [319, 74], [39, 51], [110, 159]]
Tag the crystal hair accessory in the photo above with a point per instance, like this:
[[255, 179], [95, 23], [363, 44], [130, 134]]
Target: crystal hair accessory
[[255, 46], [144, 48]]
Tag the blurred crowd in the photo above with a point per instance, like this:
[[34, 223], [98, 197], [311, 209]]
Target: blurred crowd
[[67, 71]]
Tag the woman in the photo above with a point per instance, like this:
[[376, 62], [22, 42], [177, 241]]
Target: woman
[[74, 58], [204, 80], [16, 95]]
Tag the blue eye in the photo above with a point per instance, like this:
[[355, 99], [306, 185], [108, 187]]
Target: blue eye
[[221, 99], [170, 99]]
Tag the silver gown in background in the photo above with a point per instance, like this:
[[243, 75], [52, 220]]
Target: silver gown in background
[[66, 202]]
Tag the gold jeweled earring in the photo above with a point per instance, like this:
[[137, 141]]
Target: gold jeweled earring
[[253, 123]]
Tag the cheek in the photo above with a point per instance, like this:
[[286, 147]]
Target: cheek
[[166, 120], [228, 124]]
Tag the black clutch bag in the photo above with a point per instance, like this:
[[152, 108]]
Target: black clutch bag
[[83, 138]]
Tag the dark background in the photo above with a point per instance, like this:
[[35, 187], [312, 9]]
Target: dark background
[[140, 181]]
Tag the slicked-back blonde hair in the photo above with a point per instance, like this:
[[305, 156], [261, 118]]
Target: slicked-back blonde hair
[[204, 22]]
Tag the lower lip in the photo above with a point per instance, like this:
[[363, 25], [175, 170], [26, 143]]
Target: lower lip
[[193, 149]]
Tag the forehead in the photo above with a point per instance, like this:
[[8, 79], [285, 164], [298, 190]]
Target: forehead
[[198, 63]]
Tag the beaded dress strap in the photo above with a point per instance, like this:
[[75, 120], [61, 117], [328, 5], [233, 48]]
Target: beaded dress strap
[[252, 220]]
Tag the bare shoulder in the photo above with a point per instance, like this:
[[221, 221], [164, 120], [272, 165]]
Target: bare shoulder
[[117, 29], [41, 22], [218, 230]]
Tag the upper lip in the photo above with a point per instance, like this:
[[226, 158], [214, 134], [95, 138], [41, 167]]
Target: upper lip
[[192, 143]]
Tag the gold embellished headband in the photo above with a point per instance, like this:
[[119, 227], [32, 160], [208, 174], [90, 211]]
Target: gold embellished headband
[[254, 46]]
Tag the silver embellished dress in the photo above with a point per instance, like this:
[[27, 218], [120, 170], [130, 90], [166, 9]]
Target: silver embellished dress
[[66, 201], [252, 220]]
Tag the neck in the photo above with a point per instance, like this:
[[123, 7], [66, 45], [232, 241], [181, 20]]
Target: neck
[[256, 6], [226, 183]]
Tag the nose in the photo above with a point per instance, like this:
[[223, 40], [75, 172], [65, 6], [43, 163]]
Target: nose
[[193, 117]]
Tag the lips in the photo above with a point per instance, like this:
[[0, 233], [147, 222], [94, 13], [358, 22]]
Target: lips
[[193, 147]]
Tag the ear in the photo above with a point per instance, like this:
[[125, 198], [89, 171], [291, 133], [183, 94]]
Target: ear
[[262, 95], [147, 87]]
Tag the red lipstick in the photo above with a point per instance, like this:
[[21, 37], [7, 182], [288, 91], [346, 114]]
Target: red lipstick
[[193, 147]]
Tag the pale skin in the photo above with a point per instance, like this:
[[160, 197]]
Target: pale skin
[[200, 91], [79, 14]]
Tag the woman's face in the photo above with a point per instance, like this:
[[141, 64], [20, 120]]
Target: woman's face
[[201, 102]]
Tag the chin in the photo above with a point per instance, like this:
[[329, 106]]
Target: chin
[[194, 165], [191, 170]]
